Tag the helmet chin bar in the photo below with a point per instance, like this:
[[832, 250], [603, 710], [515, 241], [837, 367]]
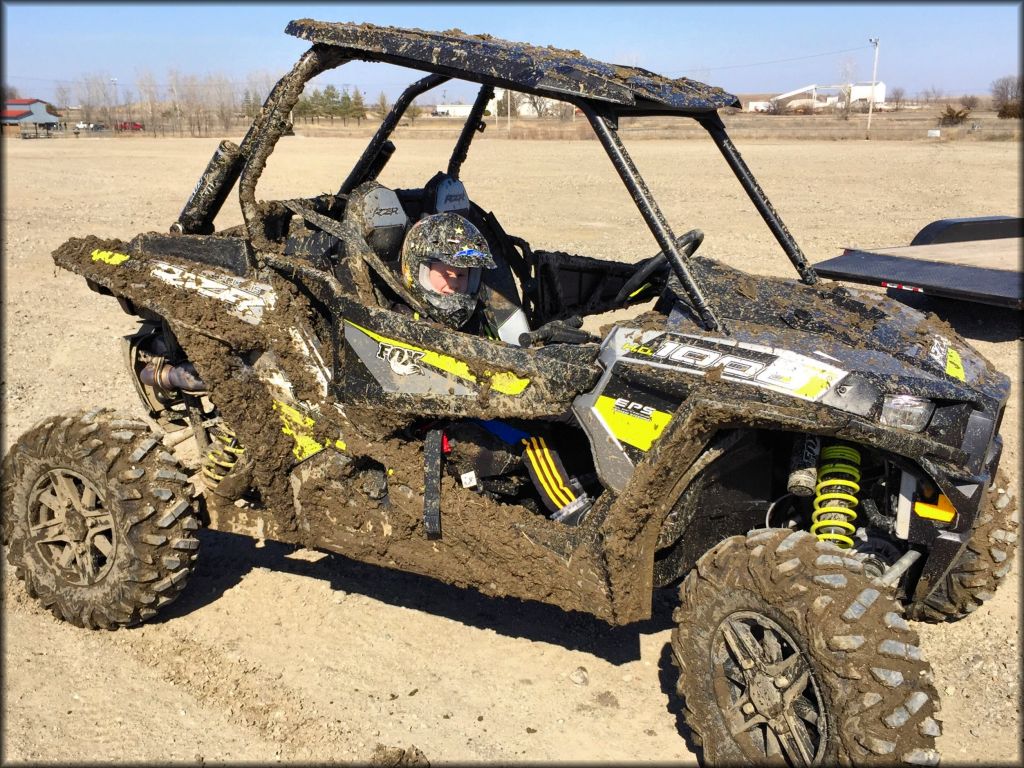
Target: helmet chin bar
[[452, 309]]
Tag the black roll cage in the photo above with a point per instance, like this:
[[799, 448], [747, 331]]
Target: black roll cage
[[272, 122]]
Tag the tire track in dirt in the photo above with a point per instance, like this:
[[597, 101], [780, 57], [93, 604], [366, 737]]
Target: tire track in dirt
[[246, 694], [280, 719]]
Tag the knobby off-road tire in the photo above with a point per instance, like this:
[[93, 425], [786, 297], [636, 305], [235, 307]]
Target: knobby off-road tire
[[788, 654], [98, 519], [983, 564]]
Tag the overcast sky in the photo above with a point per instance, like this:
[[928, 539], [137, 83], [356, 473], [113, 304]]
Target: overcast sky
[[763, 48]]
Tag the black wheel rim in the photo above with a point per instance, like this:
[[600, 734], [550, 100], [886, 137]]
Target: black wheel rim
[[70, 528], [767, 693]]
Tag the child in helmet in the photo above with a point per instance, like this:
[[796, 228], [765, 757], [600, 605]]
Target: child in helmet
[[442, 260]]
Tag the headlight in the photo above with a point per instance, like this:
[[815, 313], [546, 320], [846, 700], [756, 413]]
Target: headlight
[[907, 412]]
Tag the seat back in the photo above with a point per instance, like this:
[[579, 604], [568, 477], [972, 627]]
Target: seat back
[[443, 194], [376, 213]]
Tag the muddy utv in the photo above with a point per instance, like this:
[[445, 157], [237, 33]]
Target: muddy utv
[[814, 464]]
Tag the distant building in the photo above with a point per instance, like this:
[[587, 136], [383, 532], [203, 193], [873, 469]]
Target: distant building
[[20, 115], [452, 110], [862, 92], [526, 108], [813, 97]]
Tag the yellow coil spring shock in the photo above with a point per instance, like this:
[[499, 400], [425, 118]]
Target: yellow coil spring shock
[[835, 498], [223, 454]]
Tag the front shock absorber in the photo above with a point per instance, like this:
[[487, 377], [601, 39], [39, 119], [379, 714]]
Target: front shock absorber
[[224, 452], [836, 495]]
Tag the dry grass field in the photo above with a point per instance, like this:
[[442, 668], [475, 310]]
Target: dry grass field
[[276, 654]]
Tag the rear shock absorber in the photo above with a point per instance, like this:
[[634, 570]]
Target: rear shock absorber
[[836, 495], [222, 455]]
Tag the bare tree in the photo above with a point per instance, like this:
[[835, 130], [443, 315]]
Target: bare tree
[[969, 101], [128, 99], [564, 111], [194, 106], [10, 92], [149, 95], [95, 96], [62, 93], [847, 73], [898, 98], [223, 98], [259, 85], [1006, 96], [541, 106], [381, 108], [413, 111], [932, 95], [176, 91]]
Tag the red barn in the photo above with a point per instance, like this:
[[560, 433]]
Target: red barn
[[28, 115]]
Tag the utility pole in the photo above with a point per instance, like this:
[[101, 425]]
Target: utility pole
[[114, 81], [874, 73], [508, 111]]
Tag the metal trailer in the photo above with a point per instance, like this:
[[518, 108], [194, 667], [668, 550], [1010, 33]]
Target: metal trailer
[[970, 259]]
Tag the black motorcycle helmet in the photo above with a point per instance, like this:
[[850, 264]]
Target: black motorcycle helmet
[[451, 240]]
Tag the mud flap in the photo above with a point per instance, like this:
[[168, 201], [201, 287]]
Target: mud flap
[[432, 484]]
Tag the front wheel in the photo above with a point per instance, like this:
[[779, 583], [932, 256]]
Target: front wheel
[[789, 655], [98, 519]]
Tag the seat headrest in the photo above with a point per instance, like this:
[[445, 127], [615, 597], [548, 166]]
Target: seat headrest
[[379, 216], [443, 194]]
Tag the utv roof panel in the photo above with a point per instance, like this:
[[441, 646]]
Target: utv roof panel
[[545, 71]]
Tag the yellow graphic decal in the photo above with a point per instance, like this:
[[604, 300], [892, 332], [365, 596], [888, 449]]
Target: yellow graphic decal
[[299, 427], [505, 382], [637, 349], [110, 257], [815, 386], [954, 365], [638, 430], [538, 455], [637, 291], [942, 510]]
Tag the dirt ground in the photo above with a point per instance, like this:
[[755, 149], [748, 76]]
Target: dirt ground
[[274, 653]]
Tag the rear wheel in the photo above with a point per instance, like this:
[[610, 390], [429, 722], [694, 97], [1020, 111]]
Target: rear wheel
[[982, 566], [98, 518], [789, 655]]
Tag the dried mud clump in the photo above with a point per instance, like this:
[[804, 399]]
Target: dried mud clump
[[396, 756]]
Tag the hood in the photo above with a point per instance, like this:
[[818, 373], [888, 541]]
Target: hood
[[884, 346]]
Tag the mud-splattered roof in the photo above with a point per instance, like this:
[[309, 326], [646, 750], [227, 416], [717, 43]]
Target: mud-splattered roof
[[546, 71]]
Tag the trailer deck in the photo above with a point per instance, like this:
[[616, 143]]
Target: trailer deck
[[987, 270]]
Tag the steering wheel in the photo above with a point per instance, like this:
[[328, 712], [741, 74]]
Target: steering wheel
[[687, 244]]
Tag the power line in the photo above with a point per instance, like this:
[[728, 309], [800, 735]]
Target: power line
[[696, 67], [197, 83], [781, 61]]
